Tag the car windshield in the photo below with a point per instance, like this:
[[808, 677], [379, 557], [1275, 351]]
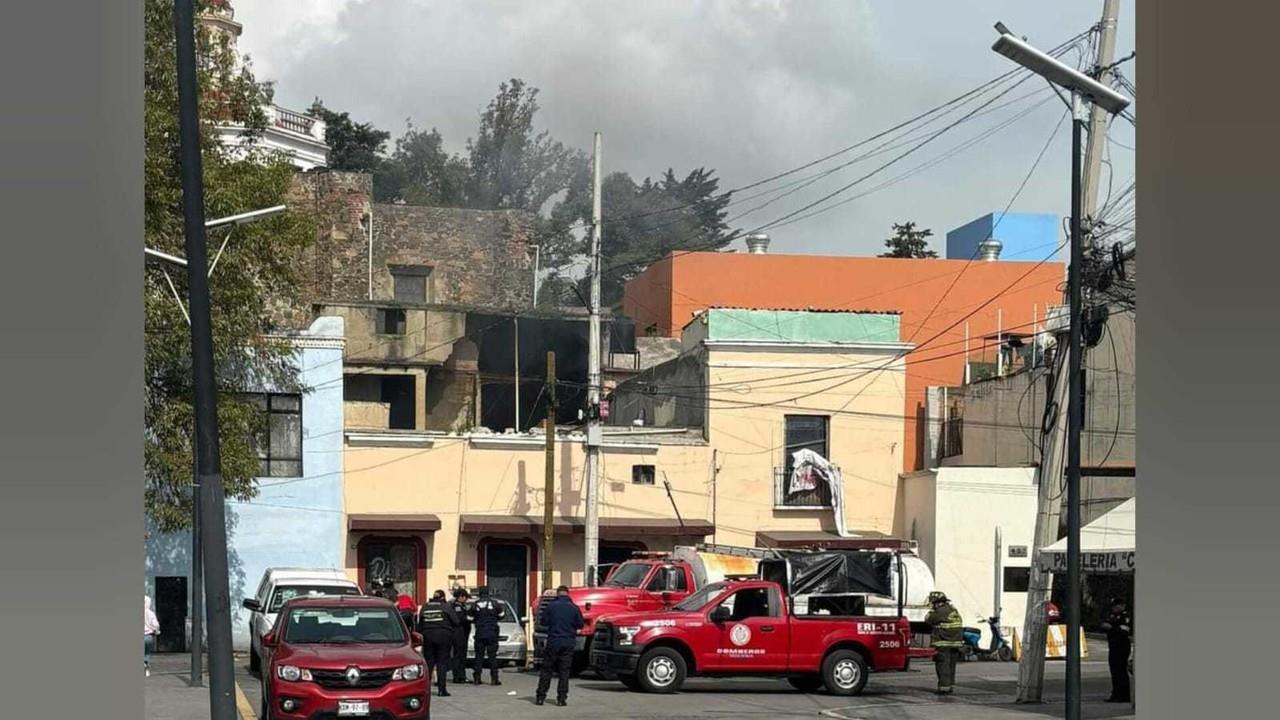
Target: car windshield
[[343, 626], [700, 598], [628, 575], [285, 593]]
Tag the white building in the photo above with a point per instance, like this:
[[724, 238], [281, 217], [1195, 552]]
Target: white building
[[956, 515], [297, 135]]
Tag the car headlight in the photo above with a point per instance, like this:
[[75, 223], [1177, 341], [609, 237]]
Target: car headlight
[[408, 672], [292, 673], [627, 635]]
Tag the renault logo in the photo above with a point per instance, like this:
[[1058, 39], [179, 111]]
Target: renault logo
[[353, 675]]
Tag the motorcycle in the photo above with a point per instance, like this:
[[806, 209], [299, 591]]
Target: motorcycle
[[999, 649]]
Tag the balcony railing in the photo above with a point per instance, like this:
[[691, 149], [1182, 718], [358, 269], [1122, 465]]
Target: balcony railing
[[819, 497]]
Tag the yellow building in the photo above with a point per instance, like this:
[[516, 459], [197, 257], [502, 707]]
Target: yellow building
[[698, 450]]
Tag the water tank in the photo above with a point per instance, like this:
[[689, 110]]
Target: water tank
[[758, 243]]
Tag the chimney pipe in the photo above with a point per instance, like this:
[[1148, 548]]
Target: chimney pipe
[[758, 243], [989, 250]]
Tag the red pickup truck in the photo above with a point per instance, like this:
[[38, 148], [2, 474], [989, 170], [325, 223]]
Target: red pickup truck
[[746, 627]]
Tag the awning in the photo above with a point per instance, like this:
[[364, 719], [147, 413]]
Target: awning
[[610, 528], [400, 523], [828, 540], [1107, 545]]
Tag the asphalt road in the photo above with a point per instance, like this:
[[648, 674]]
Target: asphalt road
[[984, 690]]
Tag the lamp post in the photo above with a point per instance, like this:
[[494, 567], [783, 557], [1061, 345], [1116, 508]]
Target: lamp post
[[1085, 91]]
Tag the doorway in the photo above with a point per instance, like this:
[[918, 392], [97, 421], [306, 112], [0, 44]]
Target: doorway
[[402, 560], [507, 573], [171, 611]]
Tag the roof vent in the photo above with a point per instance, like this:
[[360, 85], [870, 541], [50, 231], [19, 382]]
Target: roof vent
[[989, 250], [758, 243]]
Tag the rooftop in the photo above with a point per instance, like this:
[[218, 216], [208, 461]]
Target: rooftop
[[797, 326]]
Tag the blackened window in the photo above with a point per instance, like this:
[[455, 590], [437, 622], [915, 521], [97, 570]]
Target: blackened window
[[280, 448], [1017, 579], [411, 283], [391, 321], [643, 474]]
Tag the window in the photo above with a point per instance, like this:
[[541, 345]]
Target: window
[[668, 579], [281, 454], [642, 474], [749, 603], [334, 626], [806, 432], [411, 283], [285, 593], [391, 321], [1017, 579]]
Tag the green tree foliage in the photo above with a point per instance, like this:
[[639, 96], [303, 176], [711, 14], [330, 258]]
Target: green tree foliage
[[256, 273], [422, 172], [908, 242], [352, 145]]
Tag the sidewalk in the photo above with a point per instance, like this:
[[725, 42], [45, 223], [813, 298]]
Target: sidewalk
[[169, 695]]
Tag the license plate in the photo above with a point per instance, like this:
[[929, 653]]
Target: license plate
[[353, 708]]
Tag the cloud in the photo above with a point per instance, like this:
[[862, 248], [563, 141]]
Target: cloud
[[748, 87]]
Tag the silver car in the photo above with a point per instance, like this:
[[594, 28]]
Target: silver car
[[511, 638]]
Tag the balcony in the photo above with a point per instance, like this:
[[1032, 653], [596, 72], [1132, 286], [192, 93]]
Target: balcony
[[817, 499], [295, 122], [299, 137]]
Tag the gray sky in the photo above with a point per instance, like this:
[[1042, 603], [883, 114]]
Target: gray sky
[[747, 87]]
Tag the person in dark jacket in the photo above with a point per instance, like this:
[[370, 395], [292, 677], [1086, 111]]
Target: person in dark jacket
[[485, 616], [437, 622], [563, 620], [1119, 627], [947, 635], [462, 607]]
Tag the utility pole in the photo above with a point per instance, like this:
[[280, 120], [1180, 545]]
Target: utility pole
[[515, 334], [591, 540], [213, 528], [1075, 407], [197, 568], [1099, 118], [549, 493]]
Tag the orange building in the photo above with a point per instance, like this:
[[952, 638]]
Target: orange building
[[940, 303]]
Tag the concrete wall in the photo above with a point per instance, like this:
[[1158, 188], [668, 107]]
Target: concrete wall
[[293, 522], [956, 512], [489, 474], [1027, 237], [665, 395]]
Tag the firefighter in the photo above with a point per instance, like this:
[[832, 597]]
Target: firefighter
[[436, 623], [461, 634], [1119, 627], [947, 634], [485, 616]]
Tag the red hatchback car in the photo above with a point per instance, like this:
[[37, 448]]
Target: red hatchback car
[[343, 657]]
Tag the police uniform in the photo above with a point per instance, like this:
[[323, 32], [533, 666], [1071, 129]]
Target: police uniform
[[436, 623], [1119, 631], [563, 620], [461, 634], [485, 615], [947, 634]]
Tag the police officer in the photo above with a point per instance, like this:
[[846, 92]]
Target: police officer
[[485, 616], [1119, 627], [947, 634], [562, 619], [436, 623], [462, 607]]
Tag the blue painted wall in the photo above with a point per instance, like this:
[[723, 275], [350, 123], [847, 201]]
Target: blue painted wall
[[293, 522], [1027, 237]]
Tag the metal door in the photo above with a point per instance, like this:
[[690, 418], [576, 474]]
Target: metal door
[[507, 573]]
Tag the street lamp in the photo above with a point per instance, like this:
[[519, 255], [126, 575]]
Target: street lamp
[[1084, 89]]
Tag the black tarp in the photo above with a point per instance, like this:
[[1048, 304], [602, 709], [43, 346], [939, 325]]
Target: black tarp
[[832, 572]]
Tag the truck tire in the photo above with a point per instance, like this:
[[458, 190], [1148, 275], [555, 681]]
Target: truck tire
[[806, 683], [844, 672], [661, 670]]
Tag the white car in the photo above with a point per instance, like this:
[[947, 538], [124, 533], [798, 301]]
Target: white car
[[281, 584]]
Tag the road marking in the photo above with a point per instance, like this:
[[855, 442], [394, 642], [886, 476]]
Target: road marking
[[242, 703]]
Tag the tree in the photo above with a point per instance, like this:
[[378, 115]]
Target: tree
[[643, 222], [908, 242], [352, 145], [511, 167], [422, 172], [255, 275]]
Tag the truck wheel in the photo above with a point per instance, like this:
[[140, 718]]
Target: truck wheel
[[806, 683], [1004, 653], [844, 672], [662, 670]]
